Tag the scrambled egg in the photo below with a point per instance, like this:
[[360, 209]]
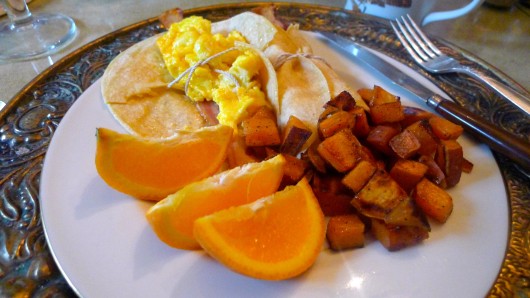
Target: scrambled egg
[[229, 79]]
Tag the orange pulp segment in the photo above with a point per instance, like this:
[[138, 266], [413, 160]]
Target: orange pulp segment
[[152, 169], [274, 238], [172, 218]]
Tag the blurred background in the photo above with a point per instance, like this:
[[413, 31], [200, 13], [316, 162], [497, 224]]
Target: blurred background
[[497, 32]]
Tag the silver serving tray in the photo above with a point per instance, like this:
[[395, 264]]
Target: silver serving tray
[[29, 121]]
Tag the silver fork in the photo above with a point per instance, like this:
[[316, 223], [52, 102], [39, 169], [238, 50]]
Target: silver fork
[[430, 58]]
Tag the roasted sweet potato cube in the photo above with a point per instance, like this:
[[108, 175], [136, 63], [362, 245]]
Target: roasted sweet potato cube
[[422, 131], [328, 111], [333, 197], [293, 170], [434, 172], [237, 154], [340, 150], [387, 113], [432, 200], [362, 127], [467, 166], [379, 138], [269, 152], [314, 158], [261, 152], [449, 157], [396, 125], [359, 175], [379, 196], [405, 144], [345, 231], [407, 213], [343, 101], [366, 94], [336, 122], [295, 135], [381, 96], [264, 112], [408, 173], [261, 129], [445, 129], [394, 237], [413, 114], [367, 154]]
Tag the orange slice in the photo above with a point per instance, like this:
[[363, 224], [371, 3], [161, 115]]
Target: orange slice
[[274, 238], [172, 218], [152, 169]]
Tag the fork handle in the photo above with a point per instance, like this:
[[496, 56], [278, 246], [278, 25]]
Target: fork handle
[[520, 100], [497, 139]]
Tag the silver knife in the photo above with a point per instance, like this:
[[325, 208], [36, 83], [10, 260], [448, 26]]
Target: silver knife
[[501, 141]]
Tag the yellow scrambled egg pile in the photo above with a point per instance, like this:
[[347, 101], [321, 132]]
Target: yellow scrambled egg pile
[[229, 80]]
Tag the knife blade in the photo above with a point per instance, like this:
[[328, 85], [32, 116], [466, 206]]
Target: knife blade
[[501, 141]]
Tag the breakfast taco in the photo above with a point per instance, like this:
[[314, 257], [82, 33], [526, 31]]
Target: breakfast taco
[[305, 81], [226, 70], [143, 90]]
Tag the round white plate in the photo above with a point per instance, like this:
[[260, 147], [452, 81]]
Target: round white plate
[[105, 247]]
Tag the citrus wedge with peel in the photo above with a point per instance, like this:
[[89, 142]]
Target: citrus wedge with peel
[[151, 169], [172, 218], [274, 238]]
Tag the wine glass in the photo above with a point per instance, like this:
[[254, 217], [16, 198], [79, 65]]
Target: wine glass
[[24, 35]]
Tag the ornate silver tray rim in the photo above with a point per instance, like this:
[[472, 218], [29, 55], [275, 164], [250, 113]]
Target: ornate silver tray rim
[[29, 120]]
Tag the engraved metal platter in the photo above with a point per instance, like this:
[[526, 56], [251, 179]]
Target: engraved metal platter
[[32, 118]]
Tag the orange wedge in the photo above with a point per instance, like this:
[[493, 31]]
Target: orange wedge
[[172, 218], [274, 238], [153, 169]]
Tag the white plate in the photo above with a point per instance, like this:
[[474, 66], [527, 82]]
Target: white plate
[[105, 247]]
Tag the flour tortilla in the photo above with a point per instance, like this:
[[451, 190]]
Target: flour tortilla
[[134, 86], [259, 32], [294, 33], [303, 91]]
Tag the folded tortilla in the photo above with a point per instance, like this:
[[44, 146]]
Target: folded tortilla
[[259, 32], [134, 86], [303, 90]]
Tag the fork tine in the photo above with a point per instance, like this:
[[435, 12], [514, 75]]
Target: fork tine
[[408, 43], [411, 33], [423, 37]]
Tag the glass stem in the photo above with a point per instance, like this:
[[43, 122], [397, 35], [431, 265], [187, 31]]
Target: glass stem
[[17, 10]]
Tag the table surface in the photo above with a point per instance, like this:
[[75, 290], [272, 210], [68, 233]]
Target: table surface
[[500, 37]]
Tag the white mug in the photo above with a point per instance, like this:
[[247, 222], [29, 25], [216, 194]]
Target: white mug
[[419, 10]]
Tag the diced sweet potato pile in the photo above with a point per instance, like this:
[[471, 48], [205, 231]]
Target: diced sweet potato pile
[[384, 170]]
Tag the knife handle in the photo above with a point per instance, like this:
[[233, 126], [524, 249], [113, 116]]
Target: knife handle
[[501, 141]]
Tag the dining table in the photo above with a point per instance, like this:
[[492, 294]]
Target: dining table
[[39, 92]]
